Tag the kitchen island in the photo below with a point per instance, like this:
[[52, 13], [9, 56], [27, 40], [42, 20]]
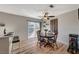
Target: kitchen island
[[5, 44]]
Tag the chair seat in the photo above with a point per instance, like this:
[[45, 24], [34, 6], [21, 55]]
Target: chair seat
[[52, 40], [15, 41]]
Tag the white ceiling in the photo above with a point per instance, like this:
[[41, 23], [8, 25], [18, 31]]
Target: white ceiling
[[35, 10]]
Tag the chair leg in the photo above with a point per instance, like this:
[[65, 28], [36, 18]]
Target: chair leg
[[37, 44], [40, 44], [12, 49], [56, 45], [52, 46], [19, 47]]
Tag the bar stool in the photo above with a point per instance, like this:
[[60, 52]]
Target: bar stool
[[16, 40]]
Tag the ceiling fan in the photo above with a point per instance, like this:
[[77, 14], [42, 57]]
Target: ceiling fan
[[46, 14]]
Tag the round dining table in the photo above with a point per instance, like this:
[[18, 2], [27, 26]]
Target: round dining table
[[48, 39]]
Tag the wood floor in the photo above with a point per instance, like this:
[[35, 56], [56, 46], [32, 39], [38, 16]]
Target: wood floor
[[30, 47]]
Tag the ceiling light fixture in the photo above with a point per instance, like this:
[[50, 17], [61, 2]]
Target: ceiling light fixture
[[46, 15], [51, 6]]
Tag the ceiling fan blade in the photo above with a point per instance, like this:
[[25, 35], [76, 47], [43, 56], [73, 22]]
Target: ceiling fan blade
[[51, 16], [40, 16], [46, 14]]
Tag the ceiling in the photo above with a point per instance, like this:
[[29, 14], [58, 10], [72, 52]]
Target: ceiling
[[35, 10]]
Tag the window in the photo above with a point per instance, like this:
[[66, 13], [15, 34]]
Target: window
[[32, 29]]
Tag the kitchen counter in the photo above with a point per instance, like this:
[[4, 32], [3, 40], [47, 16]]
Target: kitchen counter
[[5, 44]]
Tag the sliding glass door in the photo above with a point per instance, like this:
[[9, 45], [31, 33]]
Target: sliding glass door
[[33, 27]]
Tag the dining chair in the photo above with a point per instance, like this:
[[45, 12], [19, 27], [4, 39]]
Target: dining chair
[[53, 40], [41, 41], [16, 40], [73, 43]]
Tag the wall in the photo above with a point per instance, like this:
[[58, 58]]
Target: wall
[[68, 23], [15, 23]]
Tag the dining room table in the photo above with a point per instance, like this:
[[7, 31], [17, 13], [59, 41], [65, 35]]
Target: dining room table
[[48, 37]]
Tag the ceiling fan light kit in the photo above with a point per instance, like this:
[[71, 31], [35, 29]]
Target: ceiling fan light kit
[[46, 14]]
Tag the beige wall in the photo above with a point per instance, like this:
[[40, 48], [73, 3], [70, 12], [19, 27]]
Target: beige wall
[[15, 23], [68, 23]]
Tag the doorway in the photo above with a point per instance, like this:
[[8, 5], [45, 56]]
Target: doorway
[[54, 25]]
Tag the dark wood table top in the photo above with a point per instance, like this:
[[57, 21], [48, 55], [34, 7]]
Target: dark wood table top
[[47, 36]]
